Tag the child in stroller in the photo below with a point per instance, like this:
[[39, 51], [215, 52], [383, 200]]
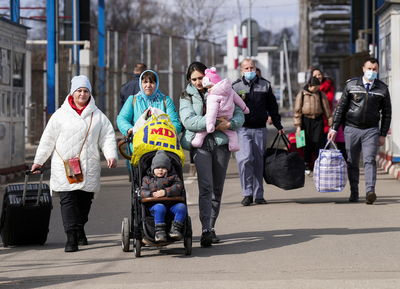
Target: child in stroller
[[142, 225], [162, 183]]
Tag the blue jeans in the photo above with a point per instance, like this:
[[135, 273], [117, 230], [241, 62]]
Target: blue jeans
[[158, 211]]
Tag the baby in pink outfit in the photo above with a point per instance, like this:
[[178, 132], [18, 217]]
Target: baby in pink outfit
[[221, 102]]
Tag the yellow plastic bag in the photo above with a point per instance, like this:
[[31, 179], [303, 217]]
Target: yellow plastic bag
[[158, 133]]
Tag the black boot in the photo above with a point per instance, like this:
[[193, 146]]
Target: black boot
[[176, 231], [206, 239], [214, 238], [353, 197], [160, 235], [82, 240], [72, 241]]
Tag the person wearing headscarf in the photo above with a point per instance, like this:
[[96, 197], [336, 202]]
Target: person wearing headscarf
[[148, 96]]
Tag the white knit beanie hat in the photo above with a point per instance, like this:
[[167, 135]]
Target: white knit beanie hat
[[78, 82]]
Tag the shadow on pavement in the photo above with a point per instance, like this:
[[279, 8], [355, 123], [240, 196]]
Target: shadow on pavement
[[39, 281], [246, 242], [381, 200], [95, 243]]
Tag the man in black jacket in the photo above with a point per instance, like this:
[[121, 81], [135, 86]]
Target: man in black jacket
[[259, 98], [365, 102], [132, 87]]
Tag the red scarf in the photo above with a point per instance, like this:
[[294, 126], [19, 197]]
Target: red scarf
[[72, 104]]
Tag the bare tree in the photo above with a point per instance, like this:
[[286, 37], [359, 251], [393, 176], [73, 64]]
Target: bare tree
[[139, 15], [200, 19], [170, 23]]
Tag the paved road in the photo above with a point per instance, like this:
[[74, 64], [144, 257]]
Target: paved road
[[300, 239]]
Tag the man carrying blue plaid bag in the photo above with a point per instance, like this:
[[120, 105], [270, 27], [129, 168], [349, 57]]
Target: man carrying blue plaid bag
[[365, 102], [330, 170]]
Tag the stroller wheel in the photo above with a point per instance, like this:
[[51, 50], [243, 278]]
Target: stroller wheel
[[125, 235], [137, 247], [189, 232], [188, 245], [187, 241]]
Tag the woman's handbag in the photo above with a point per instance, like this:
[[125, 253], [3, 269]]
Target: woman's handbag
[[283, 168], [330, 170], [73, 169]]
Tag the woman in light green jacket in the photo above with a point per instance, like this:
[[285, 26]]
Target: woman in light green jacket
[[211, 160]]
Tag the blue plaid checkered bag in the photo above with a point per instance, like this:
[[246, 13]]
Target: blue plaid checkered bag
[[330, 170]]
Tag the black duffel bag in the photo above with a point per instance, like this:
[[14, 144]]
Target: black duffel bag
[[282, 168]]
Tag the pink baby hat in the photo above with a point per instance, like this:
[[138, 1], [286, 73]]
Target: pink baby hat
[[211, 77]]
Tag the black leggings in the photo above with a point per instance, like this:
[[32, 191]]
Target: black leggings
[[75, 207], [314, 134]]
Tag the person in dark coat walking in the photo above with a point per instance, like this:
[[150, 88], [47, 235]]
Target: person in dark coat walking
[[132, 87], [366, 112], [259, 98]]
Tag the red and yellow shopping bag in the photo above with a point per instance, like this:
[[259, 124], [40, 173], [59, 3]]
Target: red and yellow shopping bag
[[158, 133]]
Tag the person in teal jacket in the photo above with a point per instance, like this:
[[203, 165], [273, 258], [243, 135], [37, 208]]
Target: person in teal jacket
[[148, 96], [211, 160]]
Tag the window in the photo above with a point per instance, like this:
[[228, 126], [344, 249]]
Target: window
[[5, 66], [14, 105], [8, 101], [2, 103], [18, 69]]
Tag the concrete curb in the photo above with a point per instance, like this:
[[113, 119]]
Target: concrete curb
[[384, 161]]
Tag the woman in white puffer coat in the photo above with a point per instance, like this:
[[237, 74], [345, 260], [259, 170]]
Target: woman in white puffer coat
[[77, 128]]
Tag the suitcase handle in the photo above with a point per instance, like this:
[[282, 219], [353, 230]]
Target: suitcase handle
[[27, 173]]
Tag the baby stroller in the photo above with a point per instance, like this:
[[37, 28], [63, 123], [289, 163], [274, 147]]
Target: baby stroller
[[140, 227]]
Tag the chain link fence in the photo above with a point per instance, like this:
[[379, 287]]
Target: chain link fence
[[168, 55]]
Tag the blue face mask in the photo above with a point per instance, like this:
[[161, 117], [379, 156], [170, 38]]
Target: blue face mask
[[370, 75], [249, 75]]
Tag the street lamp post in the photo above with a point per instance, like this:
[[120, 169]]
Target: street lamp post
[[249, 36]]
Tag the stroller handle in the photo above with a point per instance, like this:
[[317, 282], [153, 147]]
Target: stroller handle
[[172, 199], [121, 143]]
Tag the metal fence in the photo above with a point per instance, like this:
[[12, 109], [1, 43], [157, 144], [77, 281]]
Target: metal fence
[[168, 55]]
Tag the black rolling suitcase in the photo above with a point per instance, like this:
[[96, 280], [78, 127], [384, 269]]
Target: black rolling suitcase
[[25, 213]]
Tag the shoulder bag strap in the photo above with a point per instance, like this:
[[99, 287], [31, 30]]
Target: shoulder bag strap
[[87, 132], [90, 124]]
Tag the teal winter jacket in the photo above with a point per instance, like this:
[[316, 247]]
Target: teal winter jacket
[[193, 119], [130, 112]]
